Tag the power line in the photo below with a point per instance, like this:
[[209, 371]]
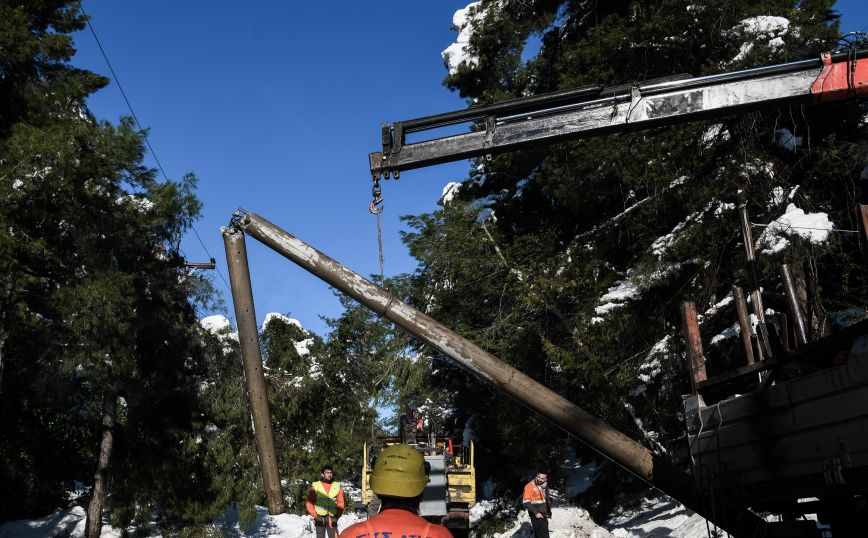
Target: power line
[[139, 125]]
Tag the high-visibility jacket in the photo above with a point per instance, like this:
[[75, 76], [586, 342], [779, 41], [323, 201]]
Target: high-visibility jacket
[[395, 523], [535, 499], [325, 499]]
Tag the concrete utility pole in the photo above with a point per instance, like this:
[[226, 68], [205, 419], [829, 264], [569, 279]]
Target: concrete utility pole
[[610, 442], [248, 337]]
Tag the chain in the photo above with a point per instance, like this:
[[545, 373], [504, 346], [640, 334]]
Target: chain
[[376, 208]]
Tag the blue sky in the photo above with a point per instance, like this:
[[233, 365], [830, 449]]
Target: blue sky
[[275, 107]]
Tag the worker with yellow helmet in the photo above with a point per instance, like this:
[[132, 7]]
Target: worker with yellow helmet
[[398, 479]]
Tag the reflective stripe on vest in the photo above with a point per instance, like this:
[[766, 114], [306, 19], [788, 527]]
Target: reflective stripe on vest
[[326, 501]]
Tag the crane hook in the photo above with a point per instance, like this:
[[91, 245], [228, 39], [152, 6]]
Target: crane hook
[[376, 192]]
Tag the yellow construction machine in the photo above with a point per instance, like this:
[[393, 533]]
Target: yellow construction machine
[[451, 489]]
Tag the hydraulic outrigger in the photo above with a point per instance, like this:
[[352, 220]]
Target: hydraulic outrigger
[[538, 120]]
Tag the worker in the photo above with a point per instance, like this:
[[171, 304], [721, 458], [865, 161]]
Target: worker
[[411, 422], [325, 503], [399, 478], [536, 501]]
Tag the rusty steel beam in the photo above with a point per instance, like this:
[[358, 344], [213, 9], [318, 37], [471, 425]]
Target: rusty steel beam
[[248, 337], [613, 444], [693, 343]]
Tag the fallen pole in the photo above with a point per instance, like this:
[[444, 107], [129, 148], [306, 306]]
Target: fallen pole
[[610, 442]]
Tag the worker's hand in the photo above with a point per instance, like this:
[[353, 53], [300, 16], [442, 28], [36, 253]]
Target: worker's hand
[[538, 515]]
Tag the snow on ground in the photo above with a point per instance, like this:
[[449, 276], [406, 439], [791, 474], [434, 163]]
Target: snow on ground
[[70, 522], [648, 514], [656, 515]]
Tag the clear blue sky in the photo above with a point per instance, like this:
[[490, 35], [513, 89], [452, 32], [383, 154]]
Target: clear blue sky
[[275, 106]]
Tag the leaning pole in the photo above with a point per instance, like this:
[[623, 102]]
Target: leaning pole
[[248, 337], [600, 436]]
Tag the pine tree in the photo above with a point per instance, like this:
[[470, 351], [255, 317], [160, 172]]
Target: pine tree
[[99, 346]]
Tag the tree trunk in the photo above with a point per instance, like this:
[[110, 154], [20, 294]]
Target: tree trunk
[[2, 343], [93, 525], [4, 334]]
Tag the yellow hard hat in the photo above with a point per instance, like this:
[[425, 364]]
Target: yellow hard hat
[[399, 472]]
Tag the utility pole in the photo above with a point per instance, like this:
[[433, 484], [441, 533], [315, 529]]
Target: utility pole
[[248, 337]]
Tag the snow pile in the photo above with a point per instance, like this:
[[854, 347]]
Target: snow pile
[[765, 28], [566, 522], [813, 227], [457, 53], [580, 476], [654, 514], [68, 522]]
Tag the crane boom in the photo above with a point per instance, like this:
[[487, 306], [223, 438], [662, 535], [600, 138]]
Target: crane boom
[[593, 110]]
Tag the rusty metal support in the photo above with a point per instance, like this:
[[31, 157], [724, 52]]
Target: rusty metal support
[[248, 337], [765, 347], [743, 323], [750, 260], [693, 342], [610, 442], [795, 308]]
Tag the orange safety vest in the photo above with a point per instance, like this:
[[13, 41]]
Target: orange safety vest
[[533, 494], [395, 523]]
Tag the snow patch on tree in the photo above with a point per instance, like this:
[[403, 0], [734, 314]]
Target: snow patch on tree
[[459, 52], [651, 367], [138, 202], [754, 30], [450, 191], [813, 227], [620, 293], [285, 319], [713, 134], [216, 324], [631, 288]]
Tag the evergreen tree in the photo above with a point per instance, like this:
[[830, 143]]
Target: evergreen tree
[[100, 352]]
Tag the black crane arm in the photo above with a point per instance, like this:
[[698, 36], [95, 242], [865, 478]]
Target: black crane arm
[[593, 110]]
